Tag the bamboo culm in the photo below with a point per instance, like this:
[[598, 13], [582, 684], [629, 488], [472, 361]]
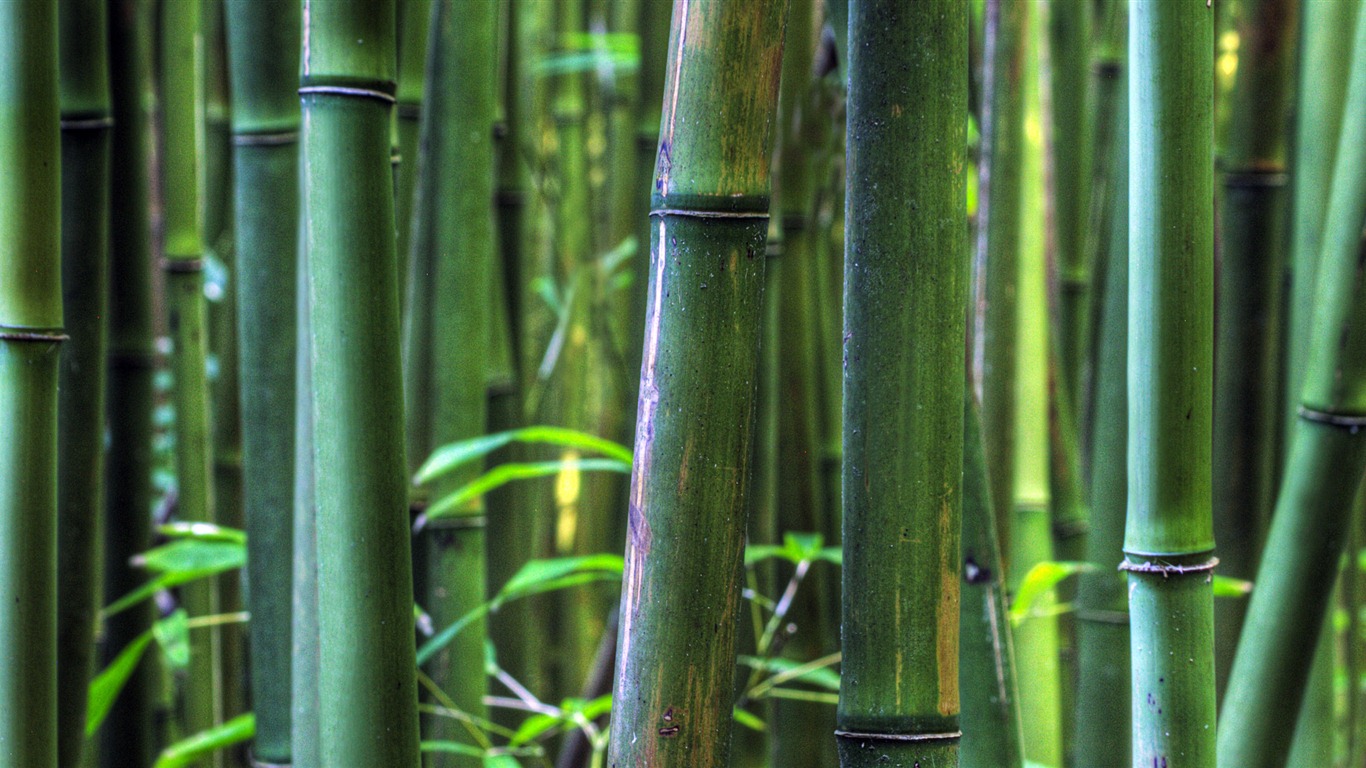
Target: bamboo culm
[[695, 426], [30, 342], [366, 712], [905, 277]]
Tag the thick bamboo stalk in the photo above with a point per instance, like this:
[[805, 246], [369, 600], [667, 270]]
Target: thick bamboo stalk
[[414, 18], [30, 343], [85, 120], [182, 83], [694, 428], [1103, 720], [367, 711], [996, 253], [1169, 541], [263, 46], [991, 707], [905, 287], [1323, 470], [1247, 402], [128, 737], [305, 728], [653, 29], [455, 199]]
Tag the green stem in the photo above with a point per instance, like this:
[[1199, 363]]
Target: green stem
[[415, 16], [367, 712], [85, 144], [1169, 537], [905, 288], [695, 428]]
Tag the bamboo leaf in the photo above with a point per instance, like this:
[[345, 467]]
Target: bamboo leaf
[[187, 751], [199, 531], [1227, 586], [757, 553], [454, 503], [749, 721], [501, 761], [451, 747], [534, 727], [1040, 580], [193, 556], [821, 677], [454, 455], [173, 635], [105, 688]]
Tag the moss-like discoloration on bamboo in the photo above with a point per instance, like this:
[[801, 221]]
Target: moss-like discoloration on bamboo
[[905, 278]]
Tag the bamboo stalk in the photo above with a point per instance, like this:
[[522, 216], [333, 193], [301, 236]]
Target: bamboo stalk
[[182, 82], [694, 429], [85, 122], [263, 45], [1247, 399], [456, 198], [305, 725], [905, 287], [30, 342], [996, 253], [128, 738], [992, 737], [1323, 471], [414, 18], [367, 711], [1169, 540], [1102, 714]]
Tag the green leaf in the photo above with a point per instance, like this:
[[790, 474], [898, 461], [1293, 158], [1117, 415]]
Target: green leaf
[[203, 532], [451, 747], [534, 727], [617, 42], [456, 502], [757, 553], [803, 546], [105, 688], [454, 455], [173, 635], [500, 761], [585, 61], [821, 677], [188, 751], [832, 555], [1040, 581], [1227, 586], [193, 556], [749, 721]]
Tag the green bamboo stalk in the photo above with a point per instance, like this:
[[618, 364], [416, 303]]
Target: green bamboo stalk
[[305, 725], [695, 428], [1169, 541], [182, 83], [992, 737], [85, 119], [30, 341], [414, 18], [455, 193], [367, 711], [1102, 724], [1037, 640], [128, 737], [263, 45], [800, 729], [1323, 471], [997, 249], [1247, 399], [653, 28], [628, 194], [905, 286], [1069, 35]]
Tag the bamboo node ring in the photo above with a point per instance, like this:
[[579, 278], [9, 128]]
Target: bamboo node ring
[[1351, 423], [1168, 569], [50, 337], [87, 123], [903, 738], [182, 265], [273, 139], [708, 214], [347, 90]]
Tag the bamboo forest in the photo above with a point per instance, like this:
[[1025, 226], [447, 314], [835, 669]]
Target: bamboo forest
[[683, 383]]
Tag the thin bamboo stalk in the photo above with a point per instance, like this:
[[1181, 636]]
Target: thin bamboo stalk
[[904, 291], [30, 341], [263, 45], [414, 18], [1323, 471], [694, 429], [367, 711], [1248, 416], [1169, 539], [182, 83], [992, 737], [128, 737], [1102, 714], [455, 194], [85, 122], [997, 249]]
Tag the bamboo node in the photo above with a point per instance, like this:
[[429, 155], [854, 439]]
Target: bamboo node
[[901, 738], [1168, 569], [1349, 422], [709, 214], [100, 123], [182, 265], [48, 337], [347, 90], [272, 139], [1255, 178]]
